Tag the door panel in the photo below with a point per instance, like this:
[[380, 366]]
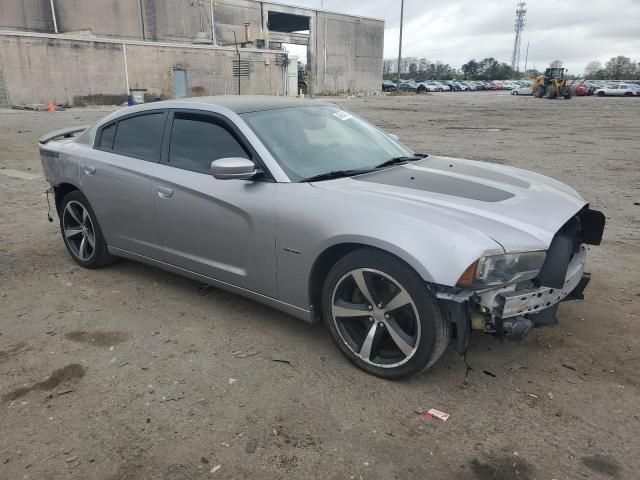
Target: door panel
[[180, 82], [223, 229], [120, 191]]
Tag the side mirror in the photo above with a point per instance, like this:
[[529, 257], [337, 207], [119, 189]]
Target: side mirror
[[233, 168], [394, 136]]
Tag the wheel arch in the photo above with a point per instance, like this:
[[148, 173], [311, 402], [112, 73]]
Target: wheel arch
[[330, 255], [61, 190]]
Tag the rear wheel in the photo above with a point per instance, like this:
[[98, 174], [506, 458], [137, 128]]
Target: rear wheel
[[567, 94], [540, 91], [628, 94], [381, 315], [513, 92], [81, 232], [601, 94]]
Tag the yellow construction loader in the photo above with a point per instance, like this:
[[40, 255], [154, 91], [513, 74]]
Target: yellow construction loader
[[551, 84]]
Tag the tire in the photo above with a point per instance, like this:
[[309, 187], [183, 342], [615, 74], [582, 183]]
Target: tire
[[421, 90], [628, 94], [79, 228], [567, 94], [389, 341], [540, 91], [551, 92], [601, 94], [514, 92]]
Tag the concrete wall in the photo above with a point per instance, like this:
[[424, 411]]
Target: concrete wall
[[155, 20], [104, 18], [28, 15], [209, 71], [38, 70], [231, 15], [345, 52], [349, 54]]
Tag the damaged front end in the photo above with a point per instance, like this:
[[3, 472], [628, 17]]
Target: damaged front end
[[541, 281]]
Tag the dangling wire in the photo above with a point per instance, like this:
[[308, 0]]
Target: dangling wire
[[468, 368], [49, 206]]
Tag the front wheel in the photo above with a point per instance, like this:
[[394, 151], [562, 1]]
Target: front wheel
[[381, 315], [514, 92], [81, 232], [601, 94]]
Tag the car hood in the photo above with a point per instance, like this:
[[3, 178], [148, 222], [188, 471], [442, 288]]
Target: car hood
[[518, 209]]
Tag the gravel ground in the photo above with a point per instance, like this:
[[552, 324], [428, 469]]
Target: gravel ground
[[132, 373]]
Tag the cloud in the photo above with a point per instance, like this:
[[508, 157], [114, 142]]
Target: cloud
[[574, 31]]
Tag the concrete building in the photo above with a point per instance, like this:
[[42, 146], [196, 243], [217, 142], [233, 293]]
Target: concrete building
[[97, 51]]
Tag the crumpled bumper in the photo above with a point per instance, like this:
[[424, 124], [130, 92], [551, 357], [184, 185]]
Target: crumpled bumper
[[509, 311], [522, 302]]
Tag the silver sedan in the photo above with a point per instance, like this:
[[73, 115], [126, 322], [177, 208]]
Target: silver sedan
[[307, 208]]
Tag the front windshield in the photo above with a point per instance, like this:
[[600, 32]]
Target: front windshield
[[310, 141]]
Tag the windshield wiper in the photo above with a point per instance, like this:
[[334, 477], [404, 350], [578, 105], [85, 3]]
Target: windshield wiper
[[334, 174], [399, 160]]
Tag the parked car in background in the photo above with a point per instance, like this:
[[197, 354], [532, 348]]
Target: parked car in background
[[307, 208], [453, 85], [389, 86], [468, 86], [427, 86], [411, 87], [438, 87], [522, 91], [580, 90], [618, 90]]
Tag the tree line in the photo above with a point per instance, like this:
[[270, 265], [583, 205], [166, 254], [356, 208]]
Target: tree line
[[420, 69], [617, 68]]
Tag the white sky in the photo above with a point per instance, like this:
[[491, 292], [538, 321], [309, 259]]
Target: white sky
[[454, 31]]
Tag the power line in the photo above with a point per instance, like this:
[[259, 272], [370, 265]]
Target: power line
[[521, 11]]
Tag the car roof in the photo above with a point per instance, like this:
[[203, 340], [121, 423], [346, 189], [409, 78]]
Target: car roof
[[252, 103]]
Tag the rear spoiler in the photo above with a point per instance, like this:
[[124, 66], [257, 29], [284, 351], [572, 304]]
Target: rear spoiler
[[64, 133]]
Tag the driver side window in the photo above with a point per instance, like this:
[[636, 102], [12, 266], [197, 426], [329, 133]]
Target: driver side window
[[197, 140]]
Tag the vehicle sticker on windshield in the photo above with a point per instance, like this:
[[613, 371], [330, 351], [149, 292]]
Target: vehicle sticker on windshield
[[342, 115]]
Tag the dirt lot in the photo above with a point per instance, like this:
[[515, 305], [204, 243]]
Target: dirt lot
[[132, 373]]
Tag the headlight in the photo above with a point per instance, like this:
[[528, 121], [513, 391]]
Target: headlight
[[501, 269]]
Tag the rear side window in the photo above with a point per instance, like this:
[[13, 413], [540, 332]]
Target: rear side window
[[140, 136], [197, 140], [106, 137]]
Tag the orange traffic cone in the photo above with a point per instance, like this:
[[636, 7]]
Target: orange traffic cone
[[52, 107]]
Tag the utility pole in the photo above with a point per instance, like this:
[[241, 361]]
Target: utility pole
[[526, 58], [400, 42], [521, 12]]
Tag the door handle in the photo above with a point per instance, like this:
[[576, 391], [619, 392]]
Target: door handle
[[164, 192], [89, 170]]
